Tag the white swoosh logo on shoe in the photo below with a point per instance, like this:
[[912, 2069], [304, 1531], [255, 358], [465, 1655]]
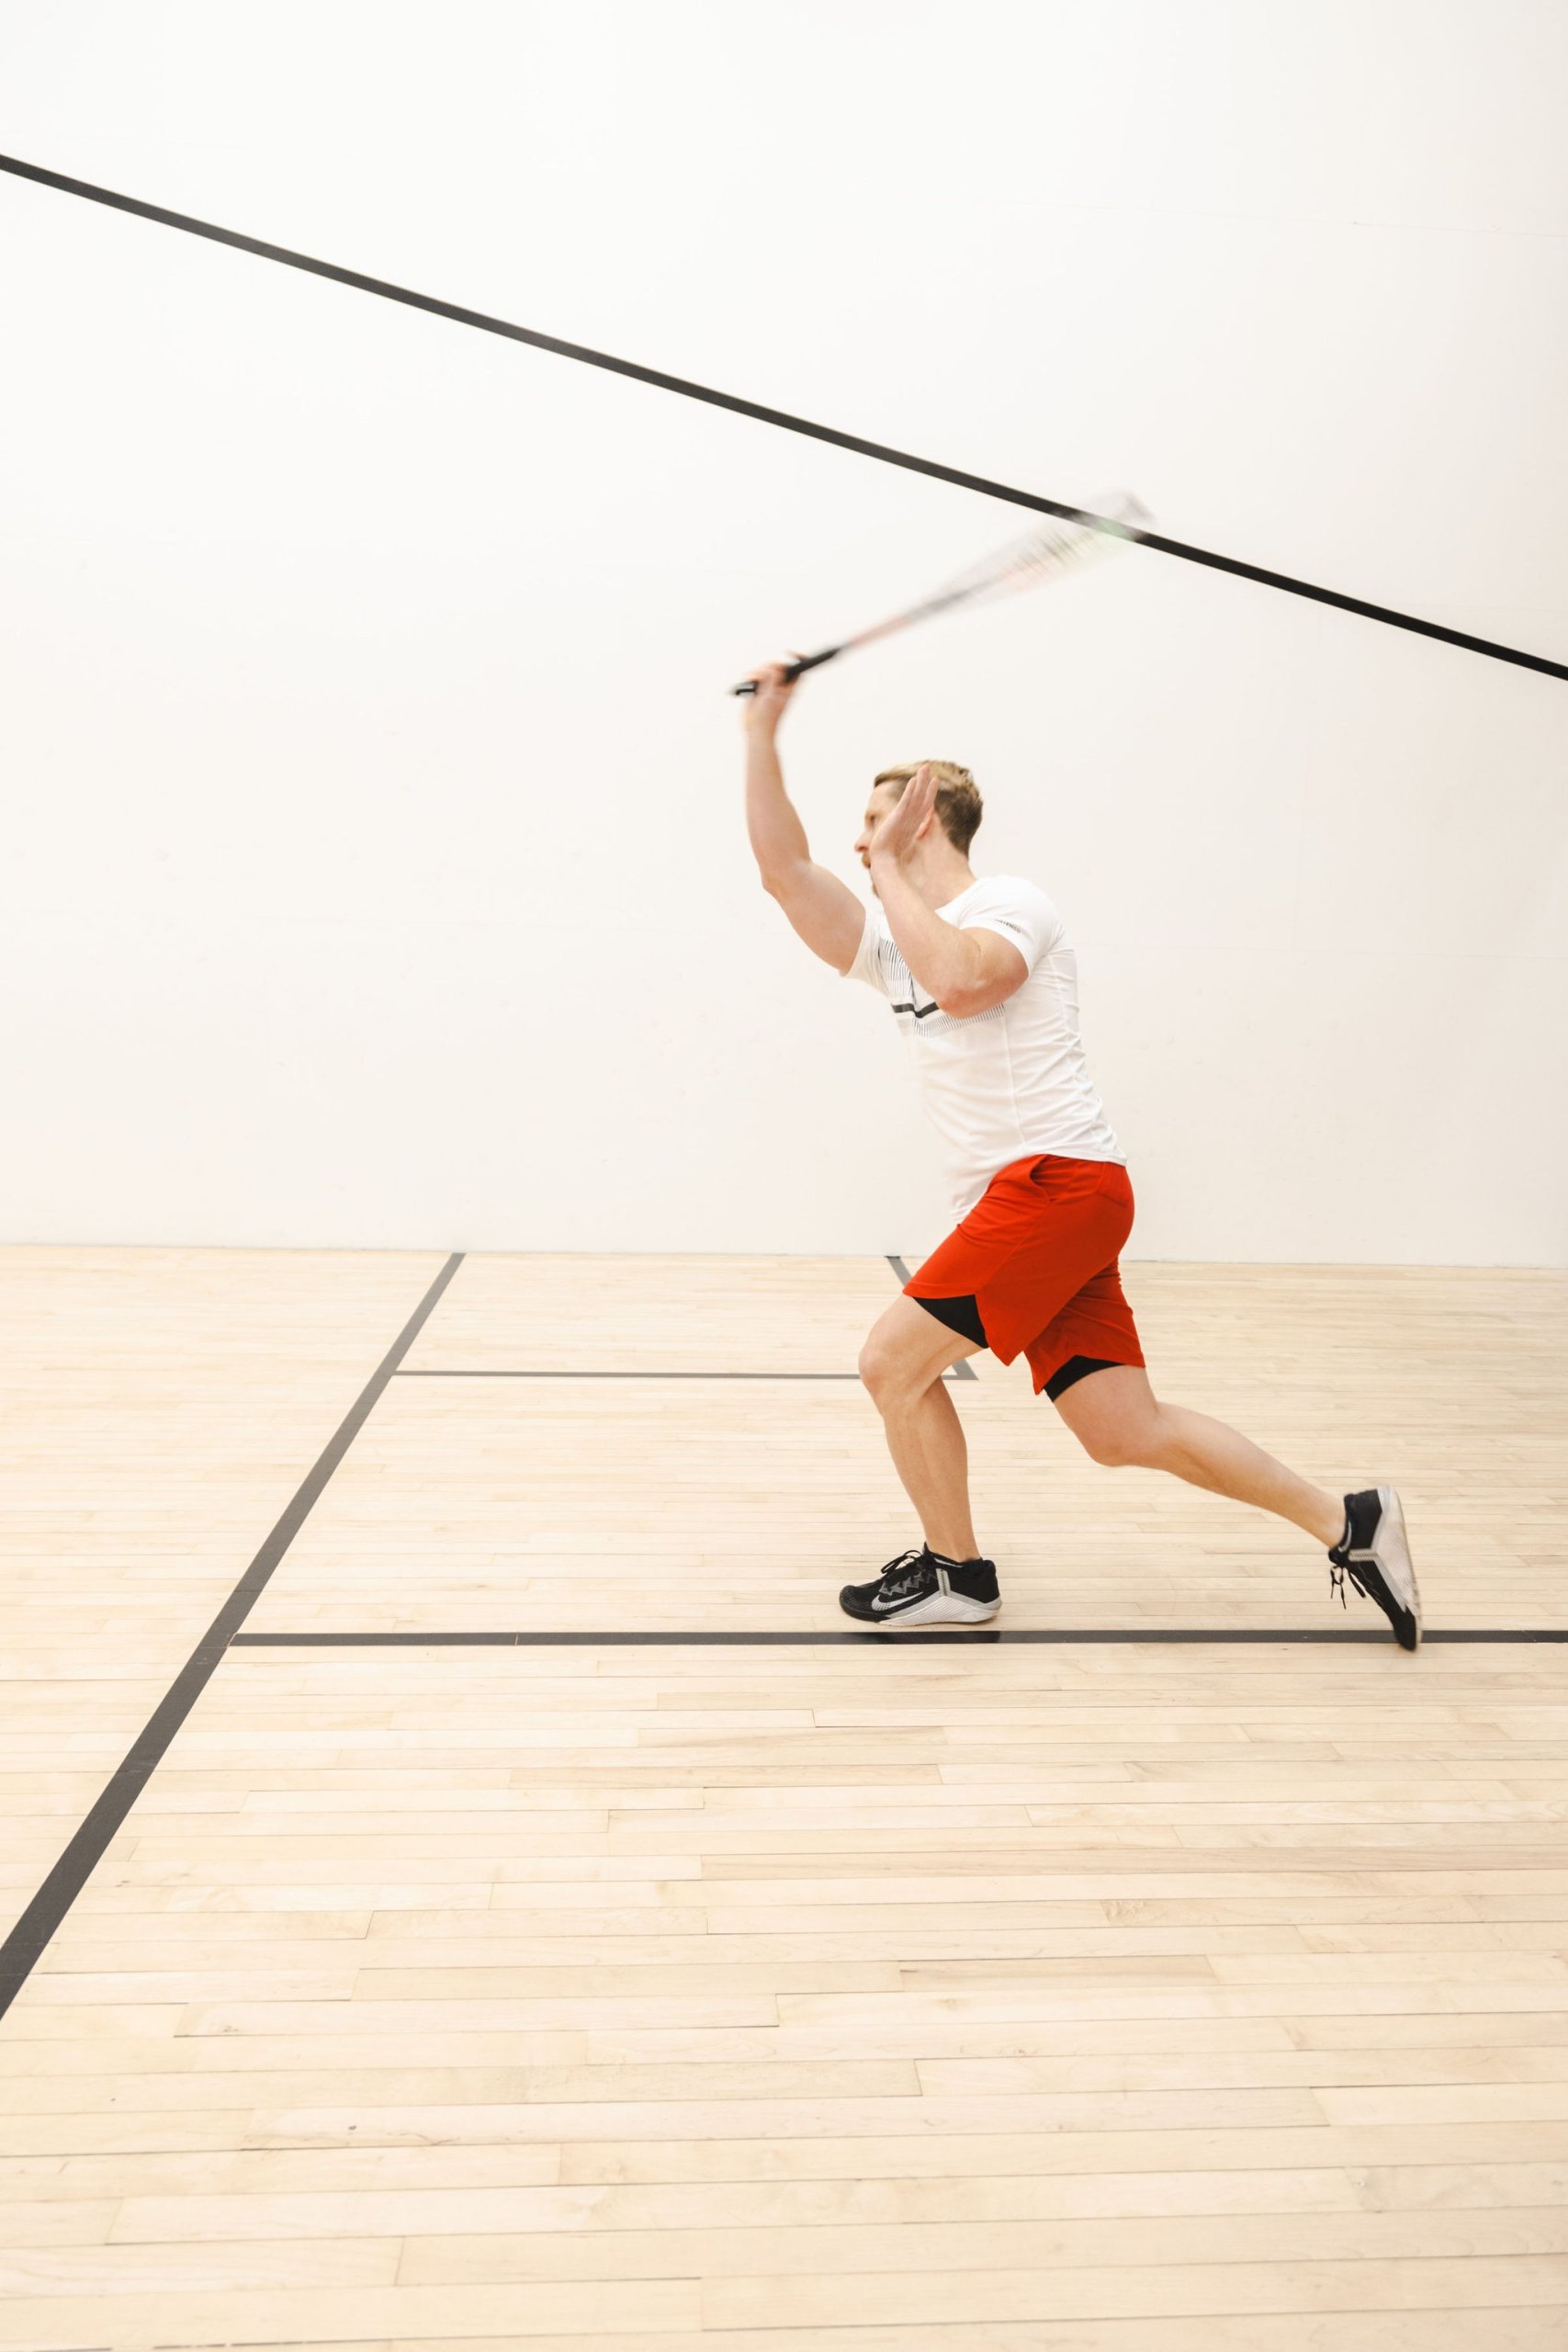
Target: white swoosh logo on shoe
[[880, 1603]]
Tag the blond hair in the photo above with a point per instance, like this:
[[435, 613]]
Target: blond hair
[[958, 804]]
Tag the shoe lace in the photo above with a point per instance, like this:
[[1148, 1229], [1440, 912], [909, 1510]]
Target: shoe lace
[[1338, 1572], [901, 1576]]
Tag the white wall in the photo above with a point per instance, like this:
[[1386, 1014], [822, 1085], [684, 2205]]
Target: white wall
[[373, 871]]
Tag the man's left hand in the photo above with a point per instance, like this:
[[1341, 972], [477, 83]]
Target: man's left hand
[[906, 822]]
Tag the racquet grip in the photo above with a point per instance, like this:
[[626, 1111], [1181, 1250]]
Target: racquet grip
[[792, 670]]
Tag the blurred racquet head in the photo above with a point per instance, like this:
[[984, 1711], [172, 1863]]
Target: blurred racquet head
[[1048, 552]]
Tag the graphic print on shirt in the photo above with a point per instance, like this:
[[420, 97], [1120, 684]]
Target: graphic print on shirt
[[904, 994], [1012, 1081]]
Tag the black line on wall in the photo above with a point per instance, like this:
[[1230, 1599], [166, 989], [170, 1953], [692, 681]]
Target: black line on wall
[[780, 418]]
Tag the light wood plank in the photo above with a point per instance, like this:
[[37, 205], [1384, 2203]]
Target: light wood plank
[[779, 2001]]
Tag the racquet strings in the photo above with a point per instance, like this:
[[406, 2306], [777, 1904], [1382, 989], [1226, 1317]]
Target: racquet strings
[[1041, 556]]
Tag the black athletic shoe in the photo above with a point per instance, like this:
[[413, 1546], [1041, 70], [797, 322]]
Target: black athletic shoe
[[922, 1589], [1373, 1553]]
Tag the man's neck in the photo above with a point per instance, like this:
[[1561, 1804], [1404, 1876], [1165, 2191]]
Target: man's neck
[[944, 882], [938, 884]]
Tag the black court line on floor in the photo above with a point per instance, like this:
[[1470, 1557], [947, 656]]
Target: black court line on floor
[[28, 1939], [722, 1638], [507, 1372]]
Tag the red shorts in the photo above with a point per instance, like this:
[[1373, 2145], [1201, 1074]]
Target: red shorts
[[1033, 1267]]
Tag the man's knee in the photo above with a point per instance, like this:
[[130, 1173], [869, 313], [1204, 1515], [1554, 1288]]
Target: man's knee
[[886, 1370], [1123, 1445], [1109, 1448], [878, 1366]]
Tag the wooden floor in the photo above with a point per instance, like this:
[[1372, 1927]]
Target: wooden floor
[[1137, 1997]]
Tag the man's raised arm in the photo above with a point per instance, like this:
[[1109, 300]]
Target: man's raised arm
[[821, 909]]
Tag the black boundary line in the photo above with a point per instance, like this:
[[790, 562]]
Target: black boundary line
[[963, 1369], [1252, 1635], [28, 1939], [460, 1373], [780, 418]]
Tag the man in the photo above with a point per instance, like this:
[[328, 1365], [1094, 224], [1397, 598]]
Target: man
[[983, 982]]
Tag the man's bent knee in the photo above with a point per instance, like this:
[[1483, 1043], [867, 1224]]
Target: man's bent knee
[[1111, 1451], [1132, 1446], [888, 1372]]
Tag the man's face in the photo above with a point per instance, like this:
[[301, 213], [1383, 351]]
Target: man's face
[[882, 799]]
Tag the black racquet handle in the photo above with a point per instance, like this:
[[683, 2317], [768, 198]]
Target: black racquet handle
[[793, 669]]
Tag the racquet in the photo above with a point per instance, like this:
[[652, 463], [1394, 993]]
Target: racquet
[[1045, 554]]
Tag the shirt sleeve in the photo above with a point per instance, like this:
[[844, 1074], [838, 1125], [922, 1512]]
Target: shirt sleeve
[[869, 964], [1017, 912]]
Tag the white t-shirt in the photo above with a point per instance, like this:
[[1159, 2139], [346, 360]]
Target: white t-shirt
[[1002, 1085]]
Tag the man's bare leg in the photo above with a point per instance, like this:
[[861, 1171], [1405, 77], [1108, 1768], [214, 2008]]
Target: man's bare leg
[[1118, 1419], [902, 1364]]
